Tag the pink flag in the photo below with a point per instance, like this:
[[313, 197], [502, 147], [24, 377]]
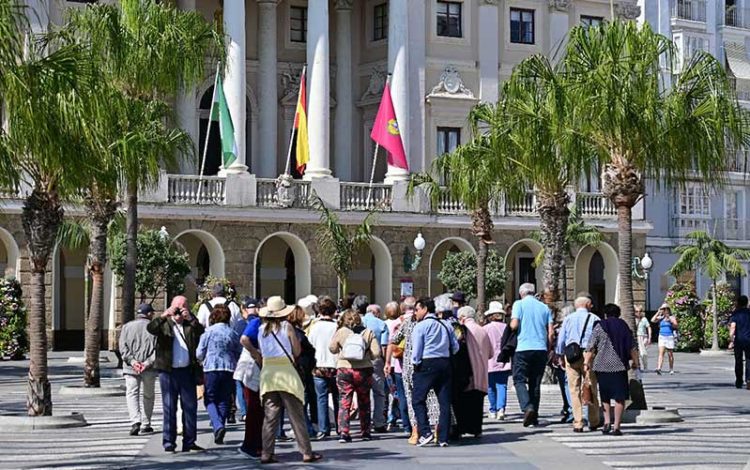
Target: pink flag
[[386, 132]]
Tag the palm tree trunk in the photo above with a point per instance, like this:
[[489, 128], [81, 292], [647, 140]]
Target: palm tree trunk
[[131, 257], [553, 213], [715, 315], [481, 275], [41, 217], [481, 226], [100, 213], [625, 254]]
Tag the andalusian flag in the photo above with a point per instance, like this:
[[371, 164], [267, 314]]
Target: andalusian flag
[[220, 113], [302, 147]]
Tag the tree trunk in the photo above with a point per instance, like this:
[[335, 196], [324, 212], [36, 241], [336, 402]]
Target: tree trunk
[[553, 213], [101, 213], [41, 217], [481, 274], [481, 226], [715, 340], [131, 257], [624, 255]]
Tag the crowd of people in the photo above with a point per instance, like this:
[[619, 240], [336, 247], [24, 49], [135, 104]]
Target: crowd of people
[[420, 366]]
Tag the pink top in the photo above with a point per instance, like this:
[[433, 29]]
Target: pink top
[[495, 331], [393, 326], [480, 353]]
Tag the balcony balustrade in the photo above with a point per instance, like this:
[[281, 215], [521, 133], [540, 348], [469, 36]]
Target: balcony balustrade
[[692, 10], [595, 205], [737, 17], [732, 229], [192, 189], [366, 197]]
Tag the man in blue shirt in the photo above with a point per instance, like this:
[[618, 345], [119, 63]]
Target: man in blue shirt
[[533, 320], [433, 343], [577, 328], [372, 322], [739, 331]]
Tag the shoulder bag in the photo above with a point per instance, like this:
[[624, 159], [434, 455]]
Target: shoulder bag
[[574, 351]]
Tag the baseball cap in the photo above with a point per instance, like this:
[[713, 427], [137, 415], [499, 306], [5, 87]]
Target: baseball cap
[[249, 302], [144, 309]]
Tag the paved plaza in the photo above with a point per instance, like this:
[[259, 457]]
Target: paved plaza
[[715, 433]]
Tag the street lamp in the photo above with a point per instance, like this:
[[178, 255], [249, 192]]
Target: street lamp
[[645, 264], [411, 263]]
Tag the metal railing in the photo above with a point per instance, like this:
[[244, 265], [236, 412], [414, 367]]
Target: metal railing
[[737, 18], [595, 205], [366, 197], [184, 189], [693, 10], [719, 228]]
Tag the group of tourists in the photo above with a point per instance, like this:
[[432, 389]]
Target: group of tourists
[[419, 366]]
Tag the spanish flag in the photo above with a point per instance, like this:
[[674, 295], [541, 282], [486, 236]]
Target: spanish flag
[[302, 147]]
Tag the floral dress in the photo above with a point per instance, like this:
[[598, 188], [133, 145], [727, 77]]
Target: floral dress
[[433, 406]]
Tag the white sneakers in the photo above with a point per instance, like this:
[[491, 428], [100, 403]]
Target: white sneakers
[[500, 416]]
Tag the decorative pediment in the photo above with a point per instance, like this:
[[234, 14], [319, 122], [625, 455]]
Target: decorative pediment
[[492, 3], [451, 85], [344, 4], [559, 5], [290, 86], [628, 11], [375, 86]]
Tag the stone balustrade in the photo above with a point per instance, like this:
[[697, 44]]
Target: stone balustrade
[[595, 205]]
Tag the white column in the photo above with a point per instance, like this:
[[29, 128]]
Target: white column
[[558, 25], [398, 65], [187, 114], [344, 100], [268, 103], [489, 45], [319, 88], [417, 86], [234, 78]]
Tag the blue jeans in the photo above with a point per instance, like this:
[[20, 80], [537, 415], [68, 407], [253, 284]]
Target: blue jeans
[[528, 370], [241, 405], [218, 397], [433, 374], [179, 383], [403, 406], [323, 386], [498, 391]]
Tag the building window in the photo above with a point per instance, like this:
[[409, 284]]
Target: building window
[[521, 26], [448, 139], [589, 21], [694, 201], [380, 22], [298, 24], [449, 19]]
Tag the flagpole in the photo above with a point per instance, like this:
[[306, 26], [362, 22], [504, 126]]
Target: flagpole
[[294, 128], [208, 135], [375, 155]]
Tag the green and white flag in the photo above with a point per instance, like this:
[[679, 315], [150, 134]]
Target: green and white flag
[[220, 113]]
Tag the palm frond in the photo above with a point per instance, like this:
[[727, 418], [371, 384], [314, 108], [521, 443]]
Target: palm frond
[[74, 234]]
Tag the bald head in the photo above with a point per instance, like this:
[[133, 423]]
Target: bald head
[[583, 302], [179, 302]]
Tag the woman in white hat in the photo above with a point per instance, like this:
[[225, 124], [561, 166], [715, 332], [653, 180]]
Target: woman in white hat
[[667, 330], [280, 383], [498, 372]]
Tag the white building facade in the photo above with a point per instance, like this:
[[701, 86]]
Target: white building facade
[[721, 28]]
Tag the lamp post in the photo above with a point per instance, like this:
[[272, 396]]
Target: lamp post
[[412, 262], [645, 264]]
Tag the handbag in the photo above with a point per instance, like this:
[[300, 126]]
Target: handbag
[[574, 351], [398, 349], [299, 370], [587, 395]]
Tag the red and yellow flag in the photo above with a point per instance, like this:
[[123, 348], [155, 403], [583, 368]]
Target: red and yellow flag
[[302, 147]]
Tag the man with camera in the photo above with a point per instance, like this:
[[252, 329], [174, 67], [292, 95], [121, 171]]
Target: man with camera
[[177, 334]]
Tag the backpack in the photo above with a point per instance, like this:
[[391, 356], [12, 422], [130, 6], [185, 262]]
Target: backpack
[[354, 347]]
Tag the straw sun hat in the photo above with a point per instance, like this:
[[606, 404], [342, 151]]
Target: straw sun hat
[[275, 308]]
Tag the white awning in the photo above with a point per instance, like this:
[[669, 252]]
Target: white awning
[[737, 60]]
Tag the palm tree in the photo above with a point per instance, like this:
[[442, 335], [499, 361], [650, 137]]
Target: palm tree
[[641, 128], [715, 259], [577, 233], [45, 88], [151, 51], [340, 243], [551, 157], [478, 175]]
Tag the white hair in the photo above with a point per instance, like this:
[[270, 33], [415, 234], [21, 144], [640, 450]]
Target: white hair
[[374, 308], [526, 289], [582, 302], [443, 303], [467, 312]]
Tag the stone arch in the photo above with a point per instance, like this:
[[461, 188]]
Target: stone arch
[[300, 264], [519, 264], [607, 274], [373, 272], [10, 255], [437, 256], [201, 246]]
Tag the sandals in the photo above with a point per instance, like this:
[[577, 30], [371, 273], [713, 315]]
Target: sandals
[[314, 457]]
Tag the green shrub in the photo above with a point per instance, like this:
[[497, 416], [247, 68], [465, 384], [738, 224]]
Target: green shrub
[[724, 307], [14, 340], [686, 306], [459, 273]]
